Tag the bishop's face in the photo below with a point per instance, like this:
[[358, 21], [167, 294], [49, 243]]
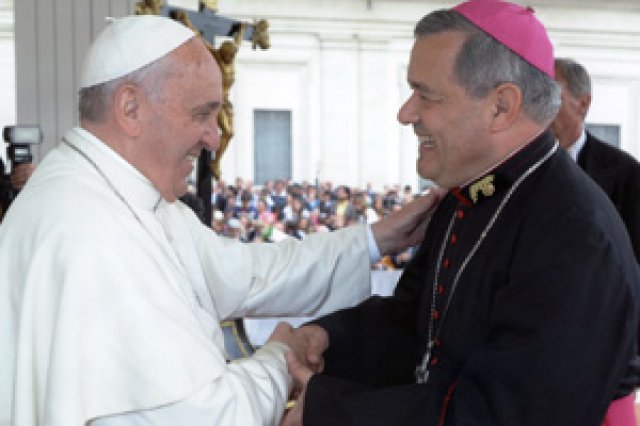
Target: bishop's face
[[451, 132], [183, 119]]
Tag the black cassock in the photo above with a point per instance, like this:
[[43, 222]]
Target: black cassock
[[536, 323]]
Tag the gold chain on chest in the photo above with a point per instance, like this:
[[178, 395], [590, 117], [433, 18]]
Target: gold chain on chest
[[422, 370]]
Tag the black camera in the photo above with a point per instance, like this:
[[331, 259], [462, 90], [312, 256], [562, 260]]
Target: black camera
[[20, 139]]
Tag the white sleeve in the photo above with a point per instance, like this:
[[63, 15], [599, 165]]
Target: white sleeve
[[317, 275], [374, 250], [252, 392]]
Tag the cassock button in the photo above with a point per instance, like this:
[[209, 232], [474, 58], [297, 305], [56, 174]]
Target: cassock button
[[454, 238], [436, 314], [445, 263], [434, 360], [440, 289], [437, 343], [460, 214]]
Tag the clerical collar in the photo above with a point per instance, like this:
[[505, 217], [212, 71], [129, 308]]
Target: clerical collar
[[500, 178], [576, 147]]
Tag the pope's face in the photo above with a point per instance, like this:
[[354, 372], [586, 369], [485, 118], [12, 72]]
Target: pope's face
[[183, 119], [449, 125]]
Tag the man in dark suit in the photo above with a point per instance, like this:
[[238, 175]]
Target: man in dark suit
[[617, 172]]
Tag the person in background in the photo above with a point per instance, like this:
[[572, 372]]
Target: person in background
[[365, 213], [112, 291], [326, 205], [12, 183], [521, 305], [617, 172], [246, 206], [344, 210], [219, 196], [6, 193]]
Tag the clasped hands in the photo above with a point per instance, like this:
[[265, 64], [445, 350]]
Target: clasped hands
[[396, 232], [307, 344]]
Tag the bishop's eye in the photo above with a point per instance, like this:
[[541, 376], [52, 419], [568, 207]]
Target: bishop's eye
[[428, 97]]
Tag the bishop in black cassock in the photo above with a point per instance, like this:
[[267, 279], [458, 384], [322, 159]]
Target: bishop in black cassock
[[521, 306]]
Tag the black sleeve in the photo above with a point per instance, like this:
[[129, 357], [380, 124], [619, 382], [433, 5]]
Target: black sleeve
[[375, 343], [369, 344]]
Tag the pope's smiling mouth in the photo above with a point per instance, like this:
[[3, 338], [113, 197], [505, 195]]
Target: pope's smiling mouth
[[426, 141]]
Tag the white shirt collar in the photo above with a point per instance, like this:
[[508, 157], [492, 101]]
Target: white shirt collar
[[576, 147]]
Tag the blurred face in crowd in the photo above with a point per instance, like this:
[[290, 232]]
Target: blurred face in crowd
[[342, 194], [279, 186], [296, 204], [312, 193], [449, 125], [182, 120], [568, 124]]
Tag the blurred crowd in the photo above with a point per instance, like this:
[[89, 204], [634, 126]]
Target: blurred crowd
[[280, 209]]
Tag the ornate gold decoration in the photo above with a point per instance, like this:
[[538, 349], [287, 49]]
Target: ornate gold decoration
[[225, 56], [484, 185], [210, 4], [148, 7], [260, 36]]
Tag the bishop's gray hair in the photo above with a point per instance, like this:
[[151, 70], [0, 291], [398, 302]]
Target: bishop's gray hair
[[483, 63], [576, 76]]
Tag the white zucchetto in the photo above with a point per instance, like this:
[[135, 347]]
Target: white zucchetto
[[128, 44]]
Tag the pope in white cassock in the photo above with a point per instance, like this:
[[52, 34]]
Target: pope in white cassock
[[111, 291]]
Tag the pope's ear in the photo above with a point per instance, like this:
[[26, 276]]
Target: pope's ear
[[127, 101], [506, 105]]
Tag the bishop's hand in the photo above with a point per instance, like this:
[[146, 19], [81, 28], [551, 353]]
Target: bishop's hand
[[301, 375]]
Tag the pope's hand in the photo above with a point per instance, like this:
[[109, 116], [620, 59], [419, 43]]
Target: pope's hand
[[284, 333], [406, 227]]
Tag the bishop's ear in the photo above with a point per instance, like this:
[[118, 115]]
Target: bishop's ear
[[127, 111], [505, 105]]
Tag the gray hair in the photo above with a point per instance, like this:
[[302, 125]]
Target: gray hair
[[483, 63], [96, 100], [576, 76]]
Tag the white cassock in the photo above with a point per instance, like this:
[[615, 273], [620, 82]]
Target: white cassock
[[111, 298]]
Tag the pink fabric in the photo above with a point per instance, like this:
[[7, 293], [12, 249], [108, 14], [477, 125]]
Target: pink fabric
[[515, 27], [621, 412]]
